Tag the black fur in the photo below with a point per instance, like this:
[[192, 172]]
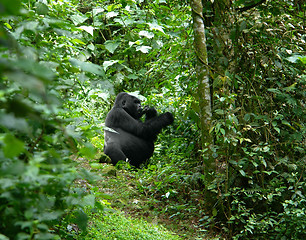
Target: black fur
[[127, 138]]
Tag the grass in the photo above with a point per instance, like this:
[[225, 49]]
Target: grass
[[116, 225], [137, 213]]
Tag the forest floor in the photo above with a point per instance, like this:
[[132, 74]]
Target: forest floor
[[120, 190]]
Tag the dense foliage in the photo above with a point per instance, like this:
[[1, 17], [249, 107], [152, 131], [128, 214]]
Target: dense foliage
[[38, 199], [259, 106], [61, 63]]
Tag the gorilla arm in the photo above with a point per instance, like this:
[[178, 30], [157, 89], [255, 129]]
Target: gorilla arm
[[118, 118]]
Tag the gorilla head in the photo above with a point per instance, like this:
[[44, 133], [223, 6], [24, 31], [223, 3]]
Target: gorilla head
[[130, 104]]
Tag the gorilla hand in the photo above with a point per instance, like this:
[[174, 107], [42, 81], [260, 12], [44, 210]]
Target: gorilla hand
[[150, 112]]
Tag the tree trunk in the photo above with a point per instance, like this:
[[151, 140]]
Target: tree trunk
[[203, 86]]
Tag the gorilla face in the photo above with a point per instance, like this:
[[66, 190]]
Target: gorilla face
[[130, 104], [133, 107]]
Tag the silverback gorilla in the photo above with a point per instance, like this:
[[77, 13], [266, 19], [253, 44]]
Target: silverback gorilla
[[132, 140]]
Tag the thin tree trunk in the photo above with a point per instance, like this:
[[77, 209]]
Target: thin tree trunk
[[203, 85]]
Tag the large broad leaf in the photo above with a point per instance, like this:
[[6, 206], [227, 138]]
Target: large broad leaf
[[303, 59], [9, 7], [87, 66], [107, 64], [111, 45], [78, 18], [11, 122], [35, 68], [155, 26], [88, 200], [88, 151], [81, 220], [146, 34], [294, 58], [88, 29], [97, 11], [41, 8], [111, 14], [143, 49], [13, 147], [2, 237]]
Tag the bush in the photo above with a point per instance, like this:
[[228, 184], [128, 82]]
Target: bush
[[37, 189]]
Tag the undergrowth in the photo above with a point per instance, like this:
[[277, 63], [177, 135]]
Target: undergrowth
[[117, 226], [161, 194]]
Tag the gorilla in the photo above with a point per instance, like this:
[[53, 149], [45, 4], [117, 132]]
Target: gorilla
[[128, 138]]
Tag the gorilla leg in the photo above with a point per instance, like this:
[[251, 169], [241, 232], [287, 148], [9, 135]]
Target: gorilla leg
[[115, 153]]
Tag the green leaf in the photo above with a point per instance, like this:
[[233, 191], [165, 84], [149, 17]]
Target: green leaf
[[96, 11], [24, 224], [49, 216], [88, 200], [219, 111], [133, 76], [243, 26], [88, 29], [303, 59], [111, 14], [277, 129], [16, 168], [88, 151], [155, 26], [214, 212], [111, 45], [11, 122], [96, 166], [291, 88], [2, 237], [143, 49], [77, 41], [242, 172], [222, 131], [45, 236], [78, 18], [81, 220], [35, 68], [91, 47], [87, 66], [146, 34], [9, 7], [41, 8], [247, 117], [294, 58], [274, 90], [13, 147], [107, 64], [6, 183], [8, 26]]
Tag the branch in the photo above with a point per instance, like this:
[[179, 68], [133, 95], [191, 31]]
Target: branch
[[243, 9]]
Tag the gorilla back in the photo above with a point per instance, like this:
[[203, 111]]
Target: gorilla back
[[129, 138]]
